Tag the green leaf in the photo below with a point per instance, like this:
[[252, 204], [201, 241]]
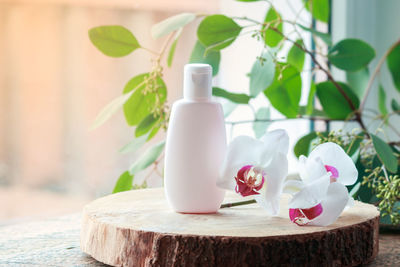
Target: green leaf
[[147, 159], [285, 92], [310, 99], [318, 8], [352, 148], [113, 41], [236, 98], [124, 183], [217, 31], [382, 100], [171, 24], [364, 193], [355, 156], [385, 220], [271, 37], [385, 154], [154, 131], [262, 74], [351, 54], [326, 37], [140, 105], [109, 110], [146, 125], [358, 81], [296, 56], [212, 58], [303, 145], [333, 102], [171, 52], [134, 145], [314, 112], [393, 62], [260, 127], [355, 189], [228, 107], [395, 105]]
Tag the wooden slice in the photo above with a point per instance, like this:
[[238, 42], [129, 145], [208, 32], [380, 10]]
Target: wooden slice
[[137, 228]]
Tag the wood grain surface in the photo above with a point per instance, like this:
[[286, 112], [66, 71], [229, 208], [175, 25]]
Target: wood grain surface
[[55, 242], [137, 228]]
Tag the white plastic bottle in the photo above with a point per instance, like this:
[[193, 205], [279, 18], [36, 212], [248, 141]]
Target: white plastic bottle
[[195, 146]]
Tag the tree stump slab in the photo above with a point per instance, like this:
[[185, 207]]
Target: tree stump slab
[[137, 228]]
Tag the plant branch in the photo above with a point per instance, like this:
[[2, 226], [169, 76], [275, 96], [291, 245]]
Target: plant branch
[[247, 19], [327, 72], [393, 128], [375, 73], [314, 118], [150, 51], [165, 45], [234, 204], [330, 78], [394, 143]]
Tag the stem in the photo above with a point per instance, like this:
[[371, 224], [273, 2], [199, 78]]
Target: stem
[[282, 119], [379, 126], [247, 19], [225, 41], [299, 13], [327, 72], [330, 78], [351, 144], [233, 204], [385, 173], [155, 168], [356, 112], [289, 4], [165, 45], [371, 110], [394, 129], [375, 73], [150, 51]]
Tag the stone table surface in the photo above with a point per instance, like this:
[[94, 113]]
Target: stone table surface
[[55, 242]]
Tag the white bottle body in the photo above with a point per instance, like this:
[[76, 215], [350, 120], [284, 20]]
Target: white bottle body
[[195, 148]]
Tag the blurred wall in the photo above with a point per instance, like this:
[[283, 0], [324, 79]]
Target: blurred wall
[[53, 82]]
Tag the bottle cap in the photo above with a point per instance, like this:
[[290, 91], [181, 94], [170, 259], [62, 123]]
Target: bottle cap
[[197, 82]]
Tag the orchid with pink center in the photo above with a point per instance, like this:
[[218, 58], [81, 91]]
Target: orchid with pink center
[[257, 168], [320, 197], [328, 157]]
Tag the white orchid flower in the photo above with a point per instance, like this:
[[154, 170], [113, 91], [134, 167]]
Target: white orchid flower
[[318, 203], [322, 194], [328, 157], [257, 167]]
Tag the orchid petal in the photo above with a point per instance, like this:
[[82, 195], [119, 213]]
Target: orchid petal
[[350, 203], [302, 167], [335, 201], [249, 181], [304, 216], [332, 154], [292, 186], [276, 141], [275, 174], [255, 167], [243, 171], [311, 169], [243, 150], [270, 203], [311, 194], [277, 168]]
